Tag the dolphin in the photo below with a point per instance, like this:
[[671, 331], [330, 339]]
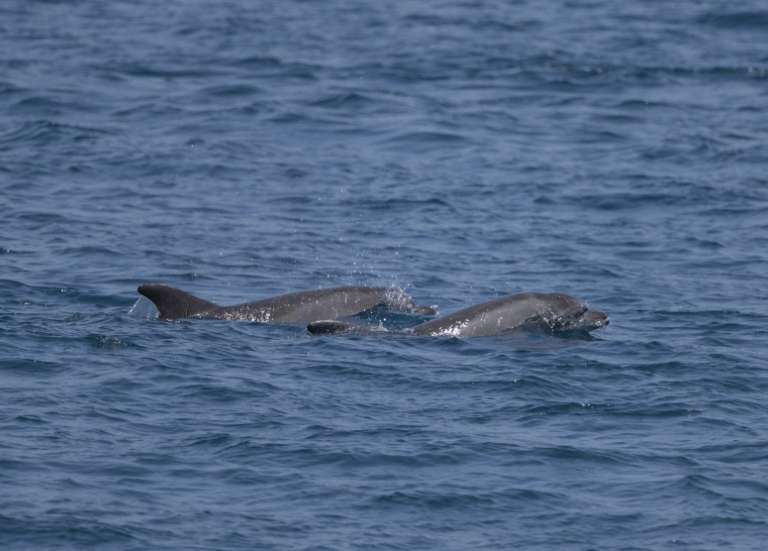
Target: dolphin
[[292, 308], [550, 312]]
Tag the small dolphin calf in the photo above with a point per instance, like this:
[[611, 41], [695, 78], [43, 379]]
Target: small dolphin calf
[[551, 312], [301, 307]]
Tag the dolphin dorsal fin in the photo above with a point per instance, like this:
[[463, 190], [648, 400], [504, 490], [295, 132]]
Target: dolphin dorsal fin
[[174, 303]]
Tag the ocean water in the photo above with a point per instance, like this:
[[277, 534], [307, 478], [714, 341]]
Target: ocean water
[[462, 150]]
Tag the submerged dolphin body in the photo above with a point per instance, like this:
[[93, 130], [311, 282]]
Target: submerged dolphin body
[[551, 312], [301, 307]]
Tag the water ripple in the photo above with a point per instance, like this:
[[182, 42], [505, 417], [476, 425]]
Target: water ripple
[[462, 151]]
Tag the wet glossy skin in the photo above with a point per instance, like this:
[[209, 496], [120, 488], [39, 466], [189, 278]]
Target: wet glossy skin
[[553, 311], [299, 307], [550, 312]]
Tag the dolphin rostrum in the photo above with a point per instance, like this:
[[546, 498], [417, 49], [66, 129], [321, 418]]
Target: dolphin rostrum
[[300, 307], [551, 312]]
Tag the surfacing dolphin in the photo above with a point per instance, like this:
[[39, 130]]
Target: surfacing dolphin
[[550, 312], [301, 307]]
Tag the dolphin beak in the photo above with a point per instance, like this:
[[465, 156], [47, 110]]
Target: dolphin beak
[[595, 319]]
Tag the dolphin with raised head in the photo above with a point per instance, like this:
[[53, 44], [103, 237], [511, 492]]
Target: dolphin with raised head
[[550, 312], [292, 308]]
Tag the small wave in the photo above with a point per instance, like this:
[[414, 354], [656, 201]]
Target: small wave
[[755, 20], [213, 440], [731, 211], [42, 105], [64, 528], [91, 250], [426, 140], [231, 90], [9, 89], [30, 367], [107, 341], [403, 204], [30, 419], [572, 76], [44, 217], [711, 314], [447, 500], [733, 452], [292, 117], [9, 251], [566, 408], [8, 284], [44, 132], [588, 455], [274, 67], [148, 109], [153, 71], [257, 62], [216, 392], [643, 104], [626, 200], [343, 100]]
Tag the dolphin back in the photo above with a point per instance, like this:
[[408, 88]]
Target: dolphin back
[[299, 307], [502, 315], [174, 303]]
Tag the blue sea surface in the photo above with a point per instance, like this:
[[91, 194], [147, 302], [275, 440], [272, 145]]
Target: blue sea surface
[[460, 149]]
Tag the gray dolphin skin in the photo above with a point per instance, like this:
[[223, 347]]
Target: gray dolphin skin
[[550, 312], [292, 308]]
